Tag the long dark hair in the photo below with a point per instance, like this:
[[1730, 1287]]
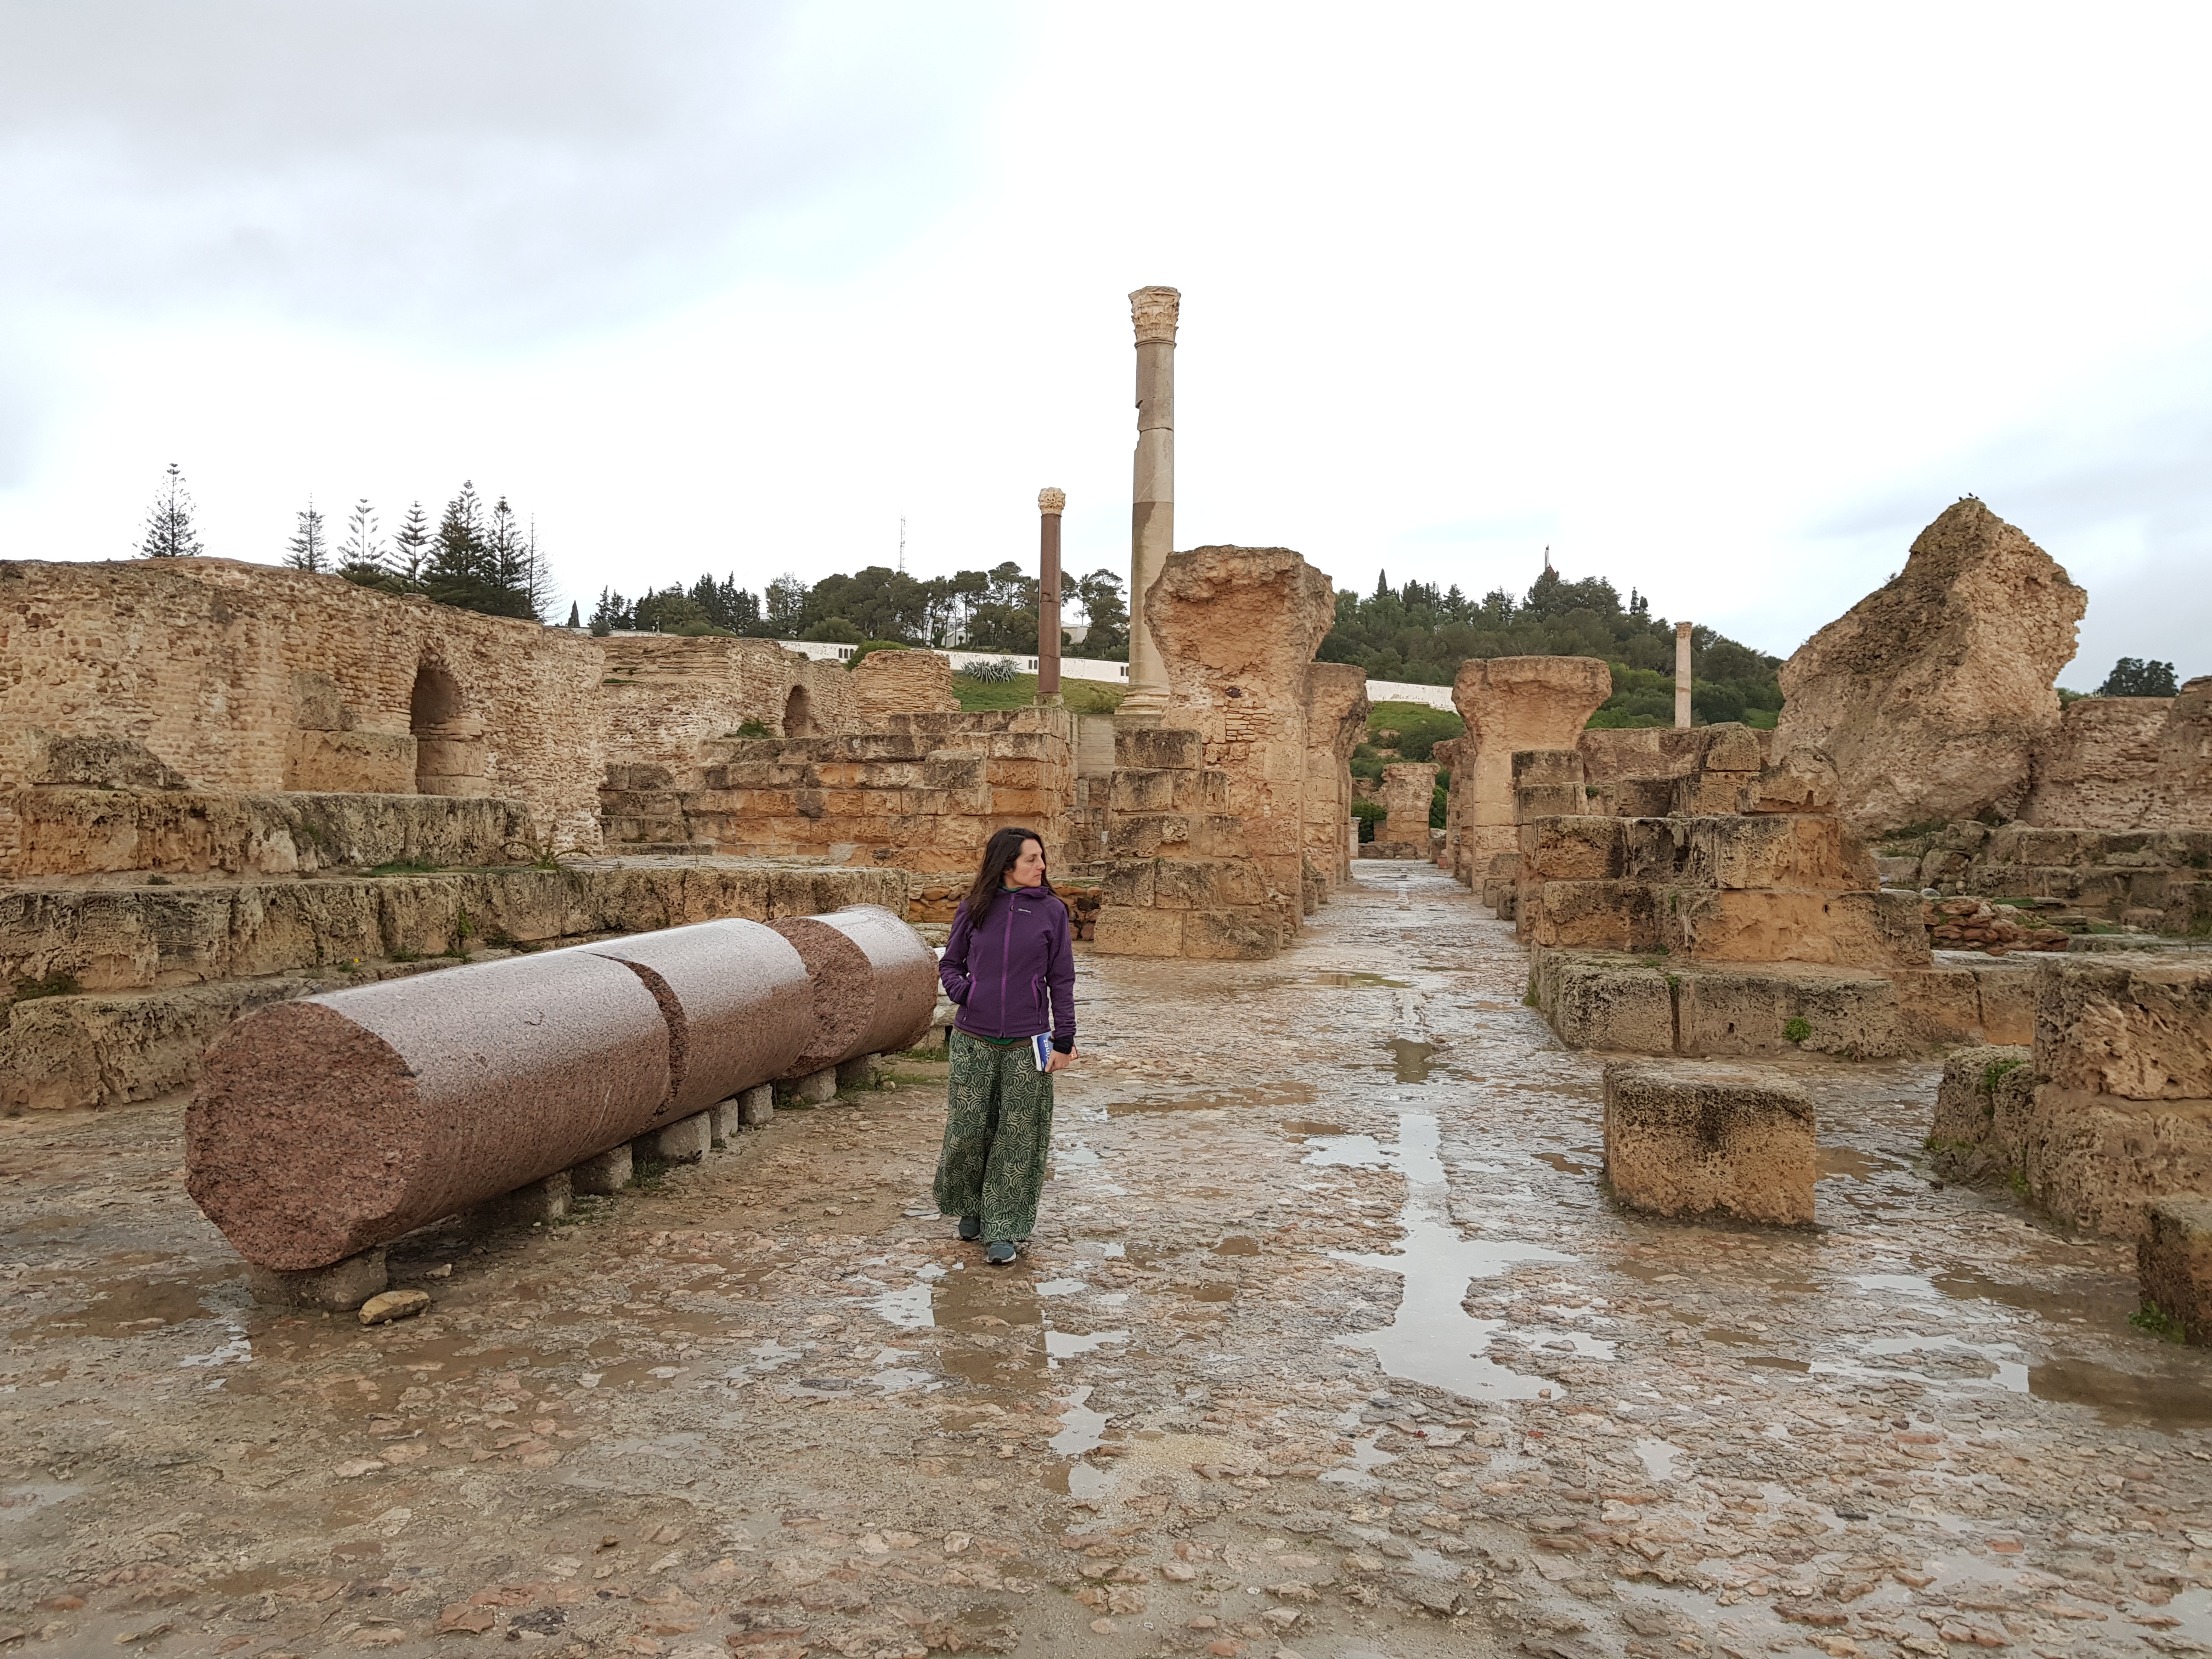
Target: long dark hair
[[999, 856]]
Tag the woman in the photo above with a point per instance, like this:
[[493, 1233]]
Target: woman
[[1009, 967]]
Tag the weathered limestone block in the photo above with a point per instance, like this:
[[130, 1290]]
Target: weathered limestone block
[[2094, 1161], [1794, 925], [875, 984], [1573, 848], [2173, 1264], [816, 1088], [756, 1107], [1754, 1010], [64, 831], [1985, 1094], [1803, 781], [325, 1125], [1787, 851], [1931, 694], [1178, 835], [1623, 1008], [903, 683], [1162, 748], [1250, 934], [1591, 915], [1501, 884], [351, 762], [2137, 1032], [95, 762], [1512, 703], [738, 1000], [1686, 1143], [1336, 724]]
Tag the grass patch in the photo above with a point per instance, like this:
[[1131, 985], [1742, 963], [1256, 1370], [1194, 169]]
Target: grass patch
[[647, 1175], [2017, 1180], [2151, 1318], [55, 984], [405, 867], [1080, 697], [159, 881], [1413, 729], [1995, 1069]]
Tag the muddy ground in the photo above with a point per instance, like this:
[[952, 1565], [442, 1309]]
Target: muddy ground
[[1328, 1343]]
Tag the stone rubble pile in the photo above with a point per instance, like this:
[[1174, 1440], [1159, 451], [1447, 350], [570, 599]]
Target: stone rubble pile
[[1965, 924]]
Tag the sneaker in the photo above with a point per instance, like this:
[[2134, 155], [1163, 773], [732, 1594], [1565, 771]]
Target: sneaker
[[971, 1227], [1002, 1252]]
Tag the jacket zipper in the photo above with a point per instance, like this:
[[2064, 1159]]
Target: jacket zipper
[[1004, 950]]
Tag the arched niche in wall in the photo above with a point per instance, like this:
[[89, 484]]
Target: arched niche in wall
[[799, 713], [449, 758]]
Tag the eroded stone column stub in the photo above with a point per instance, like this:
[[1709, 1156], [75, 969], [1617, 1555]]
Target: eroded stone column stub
[[1682, 643], [1154, 311]]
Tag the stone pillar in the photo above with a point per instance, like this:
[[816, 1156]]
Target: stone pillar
[[1511, 704], [1682, 674], [1051, 503], [1152, 511]]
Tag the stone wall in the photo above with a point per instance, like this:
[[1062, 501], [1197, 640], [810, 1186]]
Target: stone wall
[[2127, 763], [1510, 703], [921, 792], [1237, 628], [2157, 880], [252, 679], [902, 683], [1931, 693]]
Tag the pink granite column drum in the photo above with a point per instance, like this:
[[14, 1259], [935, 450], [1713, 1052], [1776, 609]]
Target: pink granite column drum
[[326, 1125], [875, 984], [738, 1003]]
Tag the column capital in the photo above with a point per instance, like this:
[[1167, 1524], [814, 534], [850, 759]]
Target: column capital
[[1051, 501], [1154, 311]]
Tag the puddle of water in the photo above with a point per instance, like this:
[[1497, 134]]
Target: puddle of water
[[1411, 1059], [1236, 1245], [1350, 1152], [1214, 1100], [131, 1306], [1432, 1339], [1851, 1164], [639, 1374], [1062, 1287], [1066, 1345], [1081, 1429], [1347, 982], [1564, 1164], [1662, 1459], [1214, 1292], [2164, 1401], [995, 1334], [1307, 1128], [908, 1309]]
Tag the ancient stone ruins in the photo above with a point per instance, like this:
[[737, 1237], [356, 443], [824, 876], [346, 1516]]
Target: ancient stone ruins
[[548, 1000]]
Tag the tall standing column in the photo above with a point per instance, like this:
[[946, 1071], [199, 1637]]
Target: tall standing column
[[1152, 511], [1051, 503], [1682, 675]]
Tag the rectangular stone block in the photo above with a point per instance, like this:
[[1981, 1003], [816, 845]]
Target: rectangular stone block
[[1684, 1143], [1640, 798], [1128, 883], [1625, 1009], [605, 1174], [1789, 851], [1532, 767], [1705, 795], [1252, 934], [1941, 1006], [1143, 789], [1125, 931], [1206, 884], [816, 1087], [2139, 1033], [1158, 747], [1732, 748], [1540, 800], [533, 1206], [756, 1107], [2173, 1264], [351, 762], [1752, 1011], [1591, 915], [1654, 848], [2094, 1161], [684, 1141], [1574, 848], [1967, 1099], [857, 1073]]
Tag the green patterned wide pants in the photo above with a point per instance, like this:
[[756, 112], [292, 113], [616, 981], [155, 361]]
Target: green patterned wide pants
[[998, 1135]]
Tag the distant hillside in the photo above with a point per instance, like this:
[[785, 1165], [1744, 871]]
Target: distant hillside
[[1418, 634]]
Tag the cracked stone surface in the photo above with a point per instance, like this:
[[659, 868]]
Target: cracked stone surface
[[1329, 1343]]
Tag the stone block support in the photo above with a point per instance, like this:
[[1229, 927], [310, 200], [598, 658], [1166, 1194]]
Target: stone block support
[[2173, 1263], [534, 1204], [1511, 703], [686, 1141], [339, 1288], [603, 1175], [1685, 1143], [816, 1088], [1408, 789], [756, 1107]]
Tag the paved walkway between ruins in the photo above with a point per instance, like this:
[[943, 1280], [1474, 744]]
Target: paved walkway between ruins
[[1329, 1343]]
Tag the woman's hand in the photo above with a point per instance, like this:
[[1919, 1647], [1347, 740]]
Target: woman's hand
[[1060, 1062]]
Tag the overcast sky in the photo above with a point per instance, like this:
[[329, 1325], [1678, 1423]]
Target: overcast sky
[[1722, 301]]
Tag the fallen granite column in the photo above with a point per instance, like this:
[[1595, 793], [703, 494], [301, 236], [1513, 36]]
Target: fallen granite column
[[1152, 511], [1051, 503], [324, 1126], [875, 985]]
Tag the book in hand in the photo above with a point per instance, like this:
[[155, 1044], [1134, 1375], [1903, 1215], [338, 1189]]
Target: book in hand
[[1041, 1046]]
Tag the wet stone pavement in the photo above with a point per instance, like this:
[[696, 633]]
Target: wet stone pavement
[[1329, 1344]]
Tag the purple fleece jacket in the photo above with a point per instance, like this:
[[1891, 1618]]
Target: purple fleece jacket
[[1015, 975]]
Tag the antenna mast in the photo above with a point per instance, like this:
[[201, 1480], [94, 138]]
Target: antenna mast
[[902, 544]]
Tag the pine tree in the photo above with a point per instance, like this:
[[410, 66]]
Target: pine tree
[[612, 612], [410, 546], [169, 531], [2132, 676], [511, 566], [458, 572], [361, 556], [308, 550]]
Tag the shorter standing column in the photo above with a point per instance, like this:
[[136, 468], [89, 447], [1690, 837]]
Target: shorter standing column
[[1682, 674], [1051, 503]]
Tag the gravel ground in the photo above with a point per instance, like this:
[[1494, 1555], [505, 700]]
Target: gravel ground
[[1329, 1344]]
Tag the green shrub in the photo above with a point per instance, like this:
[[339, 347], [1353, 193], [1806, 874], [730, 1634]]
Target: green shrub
[[55, 984], [1995, 1069], [2151, 1318], [753, 729], [405, 867], [1420, 728], [1369, 813], [1796, 1030]]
